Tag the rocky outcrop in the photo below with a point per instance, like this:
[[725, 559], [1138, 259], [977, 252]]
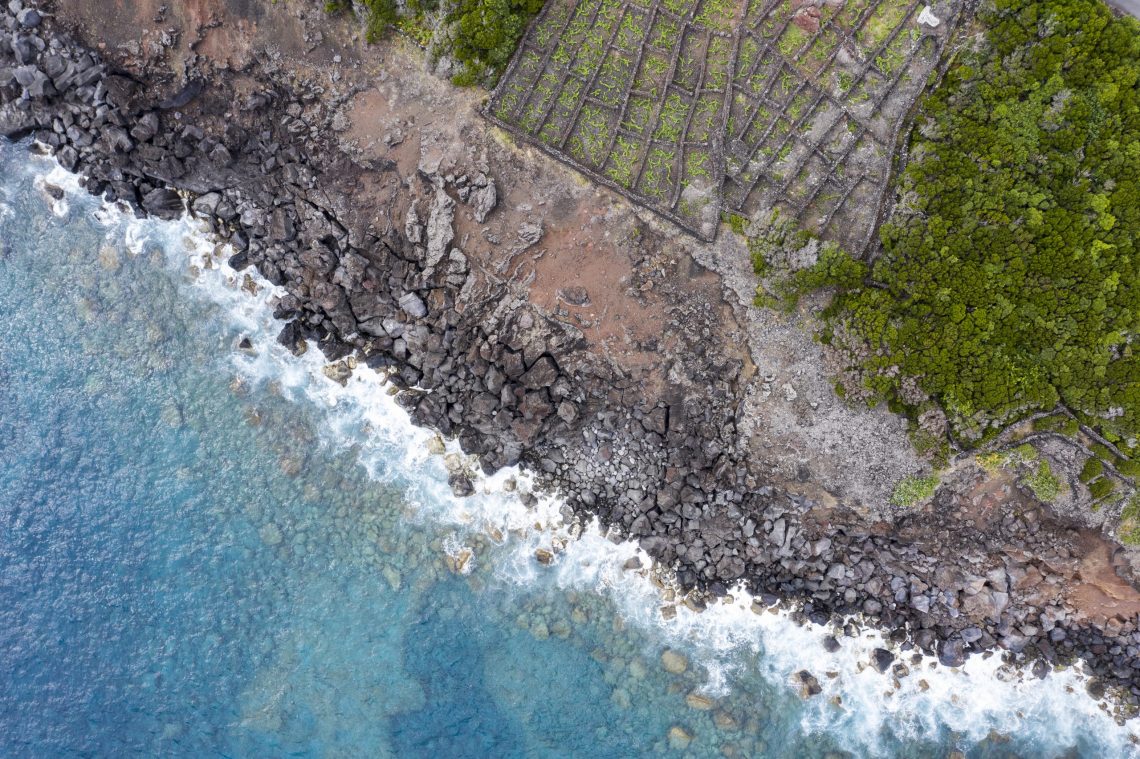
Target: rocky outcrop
[[514, 384]]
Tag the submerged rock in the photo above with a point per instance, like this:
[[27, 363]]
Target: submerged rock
[[679, 738], [700, 702], [674, 662]]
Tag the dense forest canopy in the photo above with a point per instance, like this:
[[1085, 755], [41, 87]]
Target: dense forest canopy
[[1008, 279]]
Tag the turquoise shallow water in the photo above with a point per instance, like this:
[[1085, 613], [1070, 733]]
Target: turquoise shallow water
[[201, 556]]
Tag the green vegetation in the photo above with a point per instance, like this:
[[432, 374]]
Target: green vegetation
[[1008, 281], [991, 462], [487, 32], [1092, 469], [1043, 482], [792, 40], [1101, 488], [914, 490], [1022, 454], [638, 98], [1128, 467], [888, 15], [833, 268], [1034, 471], [481, 35], [1129, 532], [381, 15], [1061, 423], [1103, 451]]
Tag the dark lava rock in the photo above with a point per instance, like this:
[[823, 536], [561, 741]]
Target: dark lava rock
[[575, 296], [953, 653], [541, 375], [830, 644], [881, 659], [413, 306], [29, 18], [1095, 689], [163, 203], [460, 485], [809, 686]]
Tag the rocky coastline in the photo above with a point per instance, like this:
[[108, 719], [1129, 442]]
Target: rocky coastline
[[254, 153]]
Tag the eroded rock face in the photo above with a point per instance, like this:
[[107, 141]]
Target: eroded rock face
[[514, 384]]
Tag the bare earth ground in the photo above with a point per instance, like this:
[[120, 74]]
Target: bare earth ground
[[639, 272]]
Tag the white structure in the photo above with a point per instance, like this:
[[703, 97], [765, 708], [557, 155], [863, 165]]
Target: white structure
[[927, 17]]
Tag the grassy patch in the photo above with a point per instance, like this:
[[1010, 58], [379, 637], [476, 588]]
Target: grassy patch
[[1043, 482], [717, 14], [914, 490], [888, 15], [1128, 467], [1129, 532], [671, 120], [657, 180], [792, 40], [622, 161]]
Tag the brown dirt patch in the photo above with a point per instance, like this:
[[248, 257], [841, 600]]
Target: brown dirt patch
[[1102, 593]]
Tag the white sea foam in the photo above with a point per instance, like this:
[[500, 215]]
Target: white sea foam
[[981, 697]]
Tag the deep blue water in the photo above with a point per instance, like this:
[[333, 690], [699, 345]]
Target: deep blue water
[[190, 568]]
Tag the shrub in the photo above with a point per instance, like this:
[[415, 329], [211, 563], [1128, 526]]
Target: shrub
[[1101, 488], [1128, 467], [382, 15], [1023, 454], [1102, 451], [1092, 469], [487, 32], [484, 33]]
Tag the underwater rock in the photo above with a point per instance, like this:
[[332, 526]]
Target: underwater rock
[[674, 662], [700, 702], [679, 738]]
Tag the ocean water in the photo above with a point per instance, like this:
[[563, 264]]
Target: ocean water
[[207, 550]]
